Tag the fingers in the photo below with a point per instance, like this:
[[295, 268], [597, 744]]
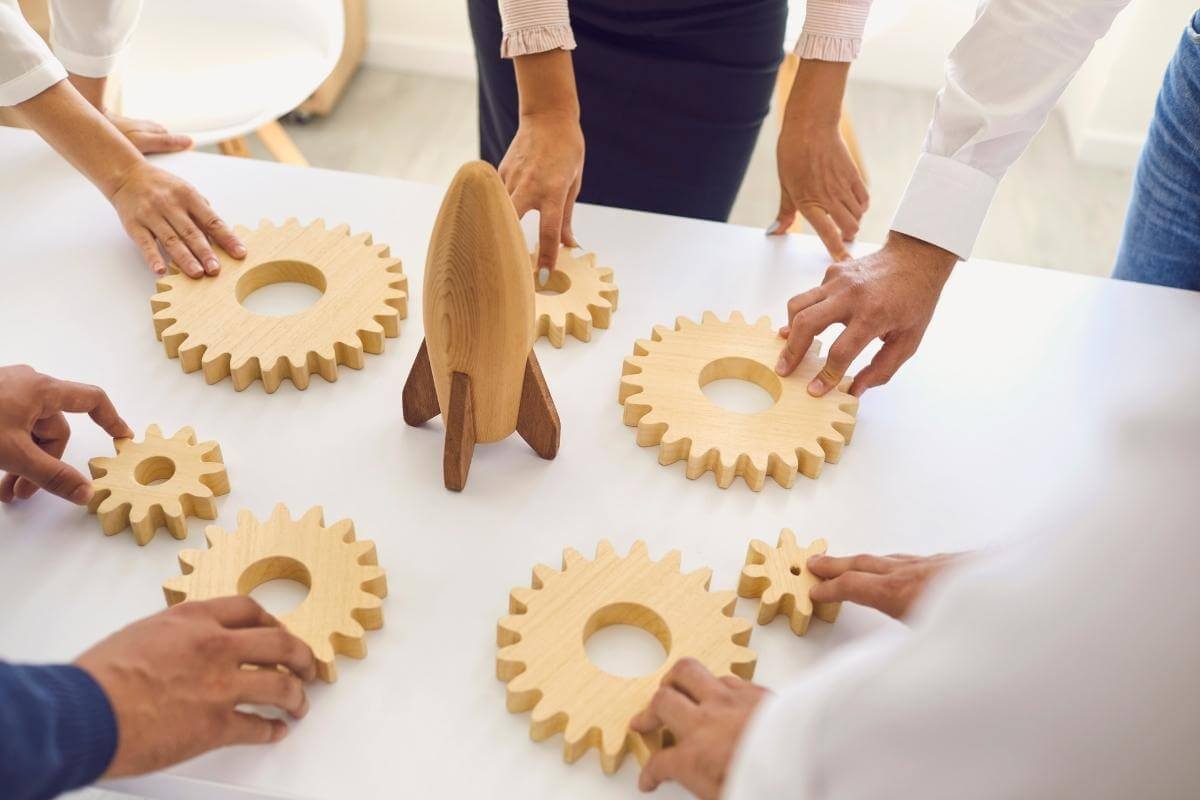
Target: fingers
[[863, 588], [825, 228], [885, 364], [176, 248], [806, 324], [844, 215], [271, 646], [568, 233], [149, 249], [51, 434], [663, 766], [692, 678], [237, 611], [196, 241], [549, 231], [216, 229], [83, 398], [859, 190], [271, 687], [803, 301], [832, 566], [47, 472], [8, 486], [244, 728], [843, 352], [785, 217], [151, 142]]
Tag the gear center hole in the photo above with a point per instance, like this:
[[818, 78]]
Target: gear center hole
[[627, 640], [280, 288], [556, 283], [154, 470], [741, 385], [279, 584]]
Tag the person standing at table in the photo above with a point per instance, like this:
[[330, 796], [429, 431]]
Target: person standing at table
[[1002, 80], [671, 97], [60, 95], [160, 691]]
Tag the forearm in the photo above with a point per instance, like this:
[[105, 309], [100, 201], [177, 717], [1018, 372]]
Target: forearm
[[816, 96], [92, 89], [82, 135], [57, 730], [546, 84]]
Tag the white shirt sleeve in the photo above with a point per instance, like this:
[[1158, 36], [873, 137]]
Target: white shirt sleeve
[[1064, 665], [87, 36], [1002, 80]]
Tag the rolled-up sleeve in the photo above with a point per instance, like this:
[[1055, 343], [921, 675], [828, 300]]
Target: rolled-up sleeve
[[833, 29], [88, 36], [27, 67], [535, 26]]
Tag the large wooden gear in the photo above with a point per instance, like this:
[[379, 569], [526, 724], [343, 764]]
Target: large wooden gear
[[363, 298], [157, 482], [780, 577], [662, 391], [543, 659], [346, 586], [576, 296]]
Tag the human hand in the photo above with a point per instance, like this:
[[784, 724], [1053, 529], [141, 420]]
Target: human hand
[[158, 208], [34, 433], [149, 137], [174, 680], [890, 584], [890, 294], [818, 179], [706, 717]]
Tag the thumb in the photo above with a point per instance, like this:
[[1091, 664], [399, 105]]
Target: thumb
[[785, 217], [56, 477]]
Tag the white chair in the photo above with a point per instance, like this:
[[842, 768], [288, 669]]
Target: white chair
[[220, 69]]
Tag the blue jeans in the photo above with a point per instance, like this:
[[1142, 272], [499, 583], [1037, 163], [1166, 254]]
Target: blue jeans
[[1161, 242]]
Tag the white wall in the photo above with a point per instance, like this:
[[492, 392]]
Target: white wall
[[428, 36]]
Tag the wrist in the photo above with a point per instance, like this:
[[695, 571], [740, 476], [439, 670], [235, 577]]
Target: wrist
[[116, 175], [935, 258], [546, 85], [92, 89], [815, 99]]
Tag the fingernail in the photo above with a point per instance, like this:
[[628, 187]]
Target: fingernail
[[212, 265], [543, 275], [817, 387], [781, 365], [159, 269], [239, 249], [81, 495], [773, 228]]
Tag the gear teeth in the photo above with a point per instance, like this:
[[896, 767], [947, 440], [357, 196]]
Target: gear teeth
[[582, 299], [779, 577], [671, 561], [542, 574], [519, 599], [604, 549], [572, 558]]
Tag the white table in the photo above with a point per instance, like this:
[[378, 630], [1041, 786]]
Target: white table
[[1020, 371]]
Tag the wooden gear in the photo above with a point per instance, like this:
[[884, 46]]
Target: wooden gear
[[779, 576], [662, 391], [543, 658], [189, 476], [345, 586], [363, 298], [476, 366], [576, 295]]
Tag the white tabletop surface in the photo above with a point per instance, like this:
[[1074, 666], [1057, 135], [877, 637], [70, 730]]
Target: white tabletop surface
[[1019, 372]]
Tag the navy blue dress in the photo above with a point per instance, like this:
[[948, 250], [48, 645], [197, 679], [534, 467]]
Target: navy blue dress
[[672, 92]]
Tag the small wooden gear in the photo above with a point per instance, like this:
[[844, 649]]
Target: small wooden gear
[[363, 298], [576, 296], [543, 659], [157, 482], [662, 391], [779, 576], [346, 586]]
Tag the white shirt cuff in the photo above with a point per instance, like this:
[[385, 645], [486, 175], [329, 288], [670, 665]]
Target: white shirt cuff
[[31, 83], [945, 204], [82, 64]]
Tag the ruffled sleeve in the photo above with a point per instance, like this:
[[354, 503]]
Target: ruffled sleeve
[[535, 26], [833, 29]]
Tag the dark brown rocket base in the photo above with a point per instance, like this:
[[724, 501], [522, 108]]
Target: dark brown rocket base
[[537, 420]]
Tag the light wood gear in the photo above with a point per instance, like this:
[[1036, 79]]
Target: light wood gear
[[156, 483], [780, 577], [662, 391], [363, 298], [543, 658], [346, 586], [576, 296]]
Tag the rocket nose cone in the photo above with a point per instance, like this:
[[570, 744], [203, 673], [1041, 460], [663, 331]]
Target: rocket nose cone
[[478, 176]]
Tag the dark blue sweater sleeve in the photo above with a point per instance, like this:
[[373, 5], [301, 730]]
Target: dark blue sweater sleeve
[[57, 730]]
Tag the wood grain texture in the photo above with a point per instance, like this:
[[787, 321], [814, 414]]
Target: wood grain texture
[[346, 586], [538, 421], [419, 398], [543, 658], [576, 296], [779, 576], [156, 483], [478, 299], [460, 433], [662, 392], [363, 298]]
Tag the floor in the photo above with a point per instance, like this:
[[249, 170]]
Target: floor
[[1050, 211]]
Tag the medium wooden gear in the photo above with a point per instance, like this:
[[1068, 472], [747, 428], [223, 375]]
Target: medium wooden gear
[[345, 586], [189, 476], [780, 577], [363, 298], [662, 391], [576, 295], [543, 659]]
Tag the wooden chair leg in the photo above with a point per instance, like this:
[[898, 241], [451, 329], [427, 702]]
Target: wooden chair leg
[[280, 145], [419, 399], [537, 420], [234, 147], [460, 434]]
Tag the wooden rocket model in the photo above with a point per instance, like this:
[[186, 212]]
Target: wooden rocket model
[[476, 366]]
